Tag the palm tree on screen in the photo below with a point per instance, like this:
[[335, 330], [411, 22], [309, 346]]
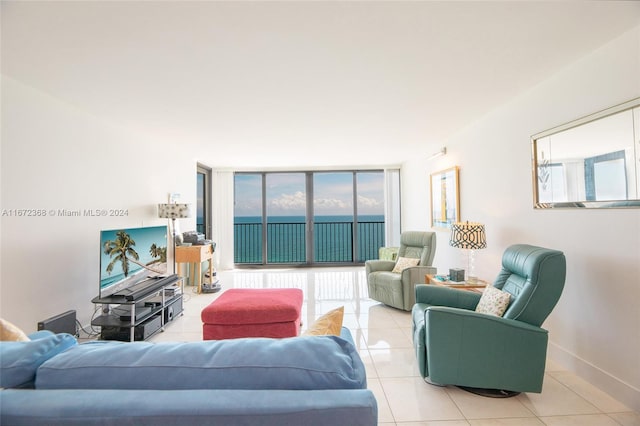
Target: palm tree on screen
[[158, 253], [119, 250]]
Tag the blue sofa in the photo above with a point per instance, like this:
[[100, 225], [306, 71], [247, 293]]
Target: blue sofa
[[307, 380]]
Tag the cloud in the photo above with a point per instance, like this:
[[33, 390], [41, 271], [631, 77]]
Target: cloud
[[294, 201], [330, 203], [368, 202]]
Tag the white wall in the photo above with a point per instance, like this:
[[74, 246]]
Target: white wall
[[594, 328], [57, 157]]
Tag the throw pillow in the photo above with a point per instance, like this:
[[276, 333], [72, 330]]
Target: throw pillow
[[9, 332], [405, 262], [493, 301], [329, 323]]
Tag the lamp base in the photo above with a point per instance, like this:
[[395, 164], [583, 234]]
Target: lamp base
[[491, 393]]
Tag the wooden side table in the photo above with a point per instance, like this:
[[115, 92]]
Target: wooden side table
[[477, 286], [195, 255]]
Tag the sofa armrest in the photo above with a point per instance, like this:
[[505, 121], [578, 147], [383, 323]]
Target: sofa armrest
[[378, 265], [436, 295], [41, 334], [19, 361]]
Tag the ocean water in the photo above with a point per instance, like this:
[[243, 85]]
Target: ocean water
[[286, 239]]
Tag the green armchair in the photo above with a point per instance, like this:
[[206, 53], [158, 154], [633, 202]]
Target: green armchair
[[397, 289], [457, 346]]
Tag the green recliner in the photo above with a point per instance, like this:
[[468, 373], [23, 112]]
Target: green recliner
[[457, 346], [397, 289]]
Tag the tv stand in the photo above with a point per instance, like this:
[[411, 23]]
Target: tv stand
[[158, 305]]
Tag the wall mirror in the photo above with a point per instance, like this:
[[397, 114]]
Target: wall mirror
[[592, 162]]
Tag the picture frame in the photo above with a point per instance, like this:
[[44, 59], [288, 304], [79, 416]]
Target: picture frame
[[445, 197]]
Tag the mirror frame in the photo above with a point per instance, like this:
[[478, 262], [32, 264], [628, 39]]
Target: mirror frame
[[629, 203]]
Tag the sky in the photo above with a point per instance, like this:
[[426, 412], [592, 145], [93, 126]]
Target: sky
[[286, 194]]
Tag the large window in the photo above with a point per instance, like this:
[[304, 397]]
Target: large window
[[203, 197], [308, 217]]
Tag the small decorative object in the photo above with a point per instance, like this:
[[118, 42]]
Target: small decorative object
[[456, 275], [445, 198], [468, 236]]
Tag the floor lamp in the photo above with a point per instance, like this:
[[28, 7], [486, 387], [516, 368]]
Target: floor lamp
[[469, 236], [174, 211]]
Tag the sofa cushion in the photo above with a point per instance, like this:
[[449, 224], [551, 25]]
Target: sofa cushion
[[297, 363], [254, 306], [20, 360]]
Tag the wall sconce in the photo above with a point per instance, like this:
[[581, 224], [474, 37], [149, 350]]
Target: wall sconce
[[442, 151]]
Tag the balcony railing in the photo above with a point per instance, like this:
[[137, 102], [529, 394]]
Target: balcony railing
[[286, 242]]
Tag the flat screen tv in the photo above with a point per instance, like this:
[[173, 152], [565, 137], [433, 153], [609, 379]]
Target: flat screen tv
[[130, 255]]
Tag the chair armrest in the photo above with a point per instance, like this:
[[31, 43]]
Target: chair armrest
[[378, 265], [411, 277], [483, 350], [415, 274], [479, 321], [436, 295]]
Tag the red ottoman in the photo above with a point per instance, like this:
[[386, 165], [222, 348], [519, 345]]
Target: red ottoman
[[253, 313]]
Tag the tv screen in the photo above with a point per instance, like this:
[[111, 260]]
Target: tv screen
[[128, 256]]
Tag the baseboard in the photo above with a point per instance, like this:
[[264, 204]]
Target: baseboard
[[614, 386]]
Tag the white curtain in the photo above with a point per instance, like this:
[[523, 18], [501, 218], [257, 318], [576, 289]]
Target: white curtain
[[392, 207], [222, 217]]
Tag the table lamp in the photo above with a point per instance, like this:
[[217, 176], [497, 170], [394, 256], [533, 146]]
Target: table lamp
[[468, 236], [174, 211]]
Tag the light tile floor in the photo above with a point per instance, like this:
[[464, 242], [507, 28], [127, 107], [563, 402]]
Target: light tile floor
[[383, 337]]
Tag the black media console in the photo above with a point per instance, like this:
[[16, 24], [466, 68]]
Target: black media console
[[139, 316]]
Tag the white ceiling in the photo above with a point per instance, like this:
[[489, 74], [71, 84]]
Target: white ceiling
[[299, 84]]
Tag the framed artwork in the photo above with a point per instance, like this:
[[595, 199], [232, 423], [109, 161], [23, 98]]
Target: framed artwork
[[445, 198]]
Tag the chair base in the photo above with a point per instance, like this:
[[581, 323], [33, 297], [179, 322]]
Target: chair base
[[428, 380], [491, 393]]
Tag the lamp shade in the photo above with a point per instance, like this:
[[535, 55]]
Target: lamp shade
[[174, 211], [468, 235]]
